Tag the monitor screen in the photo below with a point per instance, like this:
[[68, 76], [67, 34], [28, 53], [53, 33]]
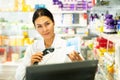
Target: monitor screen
[[84, 70]]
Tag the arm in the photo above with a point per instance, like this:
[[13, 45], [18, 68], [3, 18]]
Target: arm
[[20, 72], [29, 59]]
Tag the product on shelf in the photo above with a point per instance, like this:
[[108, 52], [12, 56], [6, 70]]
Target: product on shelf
[[109, 25], [26, 39], [104, 43], [3, 40], [2, 54], [118, 25], [73, 5]]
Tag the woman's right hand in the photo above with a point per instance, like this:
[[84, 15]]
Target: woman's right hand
[[37, 57]]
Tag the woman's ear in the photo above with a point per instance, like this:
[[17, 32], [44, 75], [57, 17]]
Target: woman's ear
[[54, 23]]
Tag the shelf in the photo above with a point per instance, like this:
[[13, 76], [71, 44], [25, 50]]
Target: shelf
[[70, 35], [16, 12], [54, 12], [105, 8], [60, 12], [9, 64], [70, 26]]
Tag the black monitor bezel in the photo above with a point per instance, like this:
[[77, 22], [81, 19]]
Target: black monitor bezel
[[63, 71]]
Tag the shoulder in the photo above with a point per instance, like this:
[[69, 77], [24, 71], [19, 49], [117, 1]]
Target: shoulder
[[59, 42], [60, 39], [57, 37], [39, 41]]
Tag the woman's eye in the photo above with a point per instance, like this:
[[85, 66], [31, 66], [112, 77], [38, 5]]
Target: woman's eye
[[47, 24], [39, 26]]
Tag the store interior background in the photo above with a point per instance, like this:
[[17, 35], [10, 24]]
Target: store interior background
[[73, 22]]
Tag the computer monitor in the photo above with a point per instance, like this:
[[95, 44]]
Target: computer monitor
[[84, 70]]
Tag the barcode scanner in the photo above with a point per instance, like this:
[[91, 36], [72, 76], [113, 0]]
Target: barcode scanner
[[45, 52]]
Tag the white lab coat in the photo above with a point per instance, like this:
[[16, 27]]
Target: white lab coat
[[58, 56]]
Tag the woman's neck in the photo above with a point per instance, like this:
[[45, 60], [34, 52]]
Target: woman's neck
[[48, 42]]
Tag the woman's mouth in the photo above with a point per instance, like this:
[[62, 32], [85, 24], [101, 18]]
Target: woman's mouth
[[46, 34]]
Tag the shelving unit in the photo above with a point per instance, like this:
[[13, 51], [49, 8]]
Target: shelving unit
[[104, 58], [115, 38], [69, 22]]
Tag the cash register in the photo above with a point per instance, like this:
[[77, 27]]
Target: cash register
[[84, 70]]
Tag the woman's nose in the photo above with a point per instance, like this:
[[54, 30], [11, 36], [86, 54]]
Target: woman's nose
[[44, 28]]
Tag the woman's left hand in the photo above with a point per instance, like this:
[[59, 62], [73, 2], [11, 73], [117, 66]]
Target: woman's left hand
[[75, 56]]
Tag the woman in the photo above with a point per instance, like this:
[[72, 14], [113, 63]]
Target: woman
[[35, 54]]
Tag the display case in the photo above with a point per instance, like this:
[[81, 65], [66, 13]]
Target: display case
[[106, 47]]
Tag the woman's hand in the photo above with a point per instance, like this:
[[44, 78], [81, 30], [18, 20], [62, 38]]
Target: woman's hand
[[37, 57], [74, 56]]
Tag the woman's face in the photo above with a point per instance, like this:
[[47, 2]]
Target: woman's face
[[45, 26]]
